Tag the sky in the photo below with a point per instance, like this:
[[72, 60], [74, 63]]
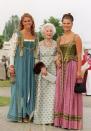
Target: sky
[[43, 9]]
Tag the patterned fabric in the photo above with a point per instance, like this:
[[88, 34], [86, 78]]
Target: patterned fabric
[[44, 109], [23, 91], [69, 52], [68, 105]]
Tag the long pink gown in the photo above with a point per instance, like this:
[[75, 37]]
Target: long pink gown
[[68, 105]]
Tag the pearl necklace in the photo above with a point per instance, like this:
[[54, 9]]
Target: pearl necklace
[[48, 43]]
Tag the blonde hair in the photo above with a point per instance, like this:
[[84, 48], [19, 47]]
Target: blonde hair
[[33, 24]]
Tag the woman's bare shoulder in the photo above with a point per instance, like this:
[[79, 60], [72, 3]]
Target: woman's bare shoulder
[[77, 37]]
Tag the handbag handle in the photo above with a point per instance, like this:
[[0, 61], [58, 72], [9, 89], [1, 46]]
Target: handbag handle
[[79, 80]]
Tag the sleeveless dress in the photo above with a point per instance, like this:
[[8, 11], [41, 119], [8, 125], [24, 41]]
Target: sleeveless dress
[[23, 91], [44, 108], [68, 104]]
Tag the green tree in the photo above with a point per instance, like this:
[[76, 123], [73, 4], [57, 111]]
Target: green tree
[[10, 27], [57, 24], [1, 41]]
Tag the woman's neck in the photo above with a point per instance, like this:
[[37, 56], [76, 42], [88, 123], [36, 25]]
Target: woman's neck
[[27, 31], [27, 34], [48, 42], [67, 32]]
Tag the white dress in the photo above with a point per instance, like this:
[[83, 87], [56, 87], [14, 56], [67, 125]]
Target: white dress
[[88, 83], [44, 108]]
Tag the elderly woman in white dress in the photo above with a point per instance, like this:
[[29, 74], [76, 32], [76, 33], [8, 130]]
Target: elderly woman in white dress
[[44, 108]]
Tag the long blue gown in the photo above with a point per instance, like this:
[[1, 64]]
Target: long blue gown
[[23, 91]]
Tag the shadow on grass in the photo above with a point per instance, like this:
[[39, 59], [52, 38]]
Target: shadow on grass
[[4, 101]]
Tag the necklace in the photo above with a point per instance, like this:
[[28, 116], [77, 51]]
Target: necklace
[[68, 38], [27, 35], [48, 43]]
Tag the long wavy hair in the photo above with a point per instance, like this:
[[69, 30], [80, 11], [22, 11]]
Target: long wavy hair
[[20, 36], [32, 29]]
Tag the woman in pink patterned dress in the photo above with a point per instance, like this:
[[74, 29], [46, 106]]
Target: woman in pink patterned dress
[[68, 104]]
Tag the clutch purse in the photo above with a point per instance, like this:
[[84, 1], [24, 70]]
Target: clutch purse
[[80, 86], [38, 66]]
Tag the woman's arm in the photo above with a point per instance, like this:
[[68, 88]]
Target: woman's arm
[[12, 50], [57, 58], [79, 55]]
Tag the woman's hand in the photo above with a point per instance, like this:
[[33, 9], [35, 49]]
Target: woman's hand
[[12, 70], [44, 71], [58, 64], [79, 75]]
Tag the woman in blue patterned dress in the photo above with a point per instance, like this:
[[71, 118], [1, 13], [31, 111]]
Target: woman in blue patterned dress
[[22, 46]]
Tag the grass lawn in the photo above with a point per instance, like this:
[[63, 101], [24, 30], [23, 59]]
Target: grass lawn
[[5, 83], [4, 101]]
